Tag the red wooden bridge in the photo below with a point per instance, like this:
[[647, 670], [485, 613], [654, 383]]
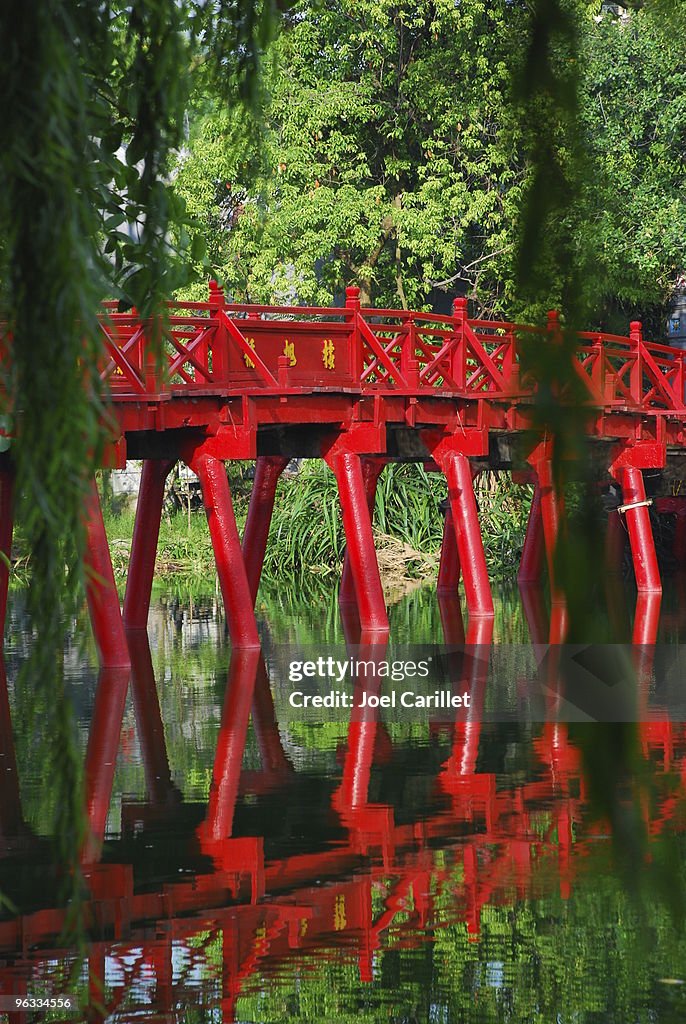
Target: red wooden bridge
[[359, 388]]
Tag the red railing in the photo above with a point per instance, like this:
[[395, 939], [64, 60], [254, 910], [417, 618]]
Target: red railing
[[232, 348]]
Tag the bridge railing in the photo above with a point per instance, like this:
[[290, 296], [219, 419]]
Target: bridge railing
[[216, 346]]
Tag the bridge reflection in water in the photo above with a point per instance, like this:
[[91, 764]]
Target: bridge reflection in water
[[405, 847]]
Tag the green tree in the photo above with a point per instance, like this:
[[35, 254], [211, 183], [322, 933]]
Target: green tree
[[634, 116], [388, 161], [403, 141]]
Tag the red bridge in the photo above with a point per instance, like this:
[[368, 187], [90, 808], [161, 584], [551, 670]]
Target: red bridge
[[358, 388]]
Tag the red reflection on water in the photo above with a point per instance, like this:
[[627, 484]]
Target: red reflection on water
[[214, 934]]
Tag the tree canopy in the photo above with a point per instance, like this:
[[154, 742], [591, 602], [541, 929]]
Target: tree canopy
[[397, 154]]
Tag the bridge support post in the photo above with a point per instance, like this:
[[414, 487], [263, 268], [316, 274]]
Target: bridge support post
[[272, 754], [357, 524], [449, 565], [101, 590], [531, 563], [551, 507], [233, 730], [640, 530], [449, 568], [6, 529], [149, 726], [470, 547], [268, 469], [146, 532], [371, 471], [101, 756], [226, 544]]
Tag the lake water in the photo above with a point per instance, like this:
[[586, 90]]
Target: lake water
[[247, 864]]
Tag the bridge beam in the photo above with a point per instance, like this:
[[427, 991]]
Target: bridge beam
[[101, 590], [146, 532], [216, 493], [268, 469]]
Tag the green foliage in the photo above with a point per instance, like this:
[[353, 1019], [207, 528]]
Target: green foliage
[[528, 155], [94, 104], [384, 160], [306, 540], [634, 123]]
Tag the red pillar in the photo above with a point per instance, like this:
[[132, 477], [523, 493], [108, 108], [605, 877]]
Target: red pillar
[[535, 612], [467, 732], [226, 543], [451, 619], [371, 471], [357, 525], [646, 623], [149, 726], [101, 755], [6, 527], [362, 732], [531, 564], [268, 469], [449, 566], [559, 621], [640, 530], [552, 508], [647, 618], [101, 590], [146, 533], [231, 744], [274, 760], [470, 547]]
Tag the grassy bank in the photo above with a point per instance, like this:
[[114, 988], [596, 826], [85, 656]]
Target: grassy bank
[[306, 537]]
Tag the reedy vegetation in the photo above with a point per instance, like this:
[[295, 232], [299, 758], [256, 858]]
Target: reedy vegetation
[[307, 540]]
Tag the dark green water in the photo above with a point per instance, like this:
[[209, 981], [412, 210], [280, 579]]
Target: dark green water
[[243, 867]]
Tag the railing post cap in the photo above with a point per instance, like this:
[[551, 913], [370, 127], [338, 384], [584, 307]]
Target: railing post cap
[[636, 326], [352, 296], [460, 305], [553, 316], [216, 294]]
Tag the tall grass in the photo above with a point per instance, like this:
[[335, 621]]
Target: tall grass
[[307, 540]]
